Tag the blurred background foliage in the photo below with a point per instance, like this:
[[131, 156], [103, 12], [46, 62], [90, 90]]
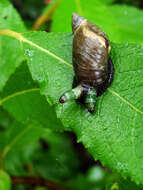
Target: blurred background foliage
[[30, 10], [55, 156]]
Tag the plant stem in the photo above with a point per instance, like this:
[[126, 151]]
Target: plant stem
[[37, 181], [45, 17]]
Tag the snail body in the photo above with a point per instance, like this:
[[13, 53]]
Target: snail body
[[92, 66]]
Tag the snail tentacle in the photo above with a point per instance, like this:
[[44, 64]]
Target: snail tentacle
[[91, 99], [73, 94]]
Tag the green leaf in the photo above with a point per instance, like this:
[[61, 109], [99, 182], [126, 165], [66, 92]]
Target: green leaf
[[37, 149], [20, 135], [92, 10], [5, 122], [5, 119], [121, 23], [19, 145], [57, 155], [5, 182], [21, 98], [101, 178], [52, 62], [79, 182], [113, 134], [9, 19], [124, 184], [128, 23], [108, 1]]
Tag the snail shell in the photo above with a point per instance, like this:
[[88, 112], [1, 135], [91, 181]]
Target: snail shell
[[91, 49], [93, 68]]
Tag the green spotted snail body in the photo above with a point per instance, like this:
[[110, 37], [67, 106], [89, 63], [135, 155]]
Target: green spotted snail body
[[92, 65]]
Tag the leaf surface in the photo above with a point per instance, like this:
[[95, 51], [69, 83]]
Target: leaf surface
[[9, 18], [9, 60], [5, 181], [20, 142], [113, 134], [47, 153], [19, 136], [22, 99]]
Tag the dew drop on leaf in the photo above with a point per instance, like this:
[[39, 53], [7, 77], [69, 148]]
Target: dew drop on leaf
[[29, 52], [122, 167]]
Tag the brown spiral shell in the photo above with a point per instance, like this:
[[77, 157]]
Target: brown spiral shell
[[91, 49]]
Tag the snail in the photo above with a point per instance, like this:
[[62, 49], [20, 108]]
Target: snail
[[91, 61]]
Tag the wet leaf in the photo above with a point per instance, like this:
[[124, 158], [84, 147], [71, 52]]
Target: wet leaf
[[113, 133], [9, 60]]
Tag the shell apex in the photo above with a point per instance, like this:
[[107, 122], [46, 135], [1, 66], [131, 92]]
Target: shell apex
[[76, 20]]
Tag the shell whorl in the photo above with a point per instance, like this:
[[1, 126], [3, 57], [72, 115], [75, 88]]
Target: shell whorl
[[76, 20], [91, 48]]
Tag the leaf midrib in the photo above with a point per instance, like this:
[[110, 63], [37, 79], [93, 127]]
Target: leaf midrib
[[21, 38]]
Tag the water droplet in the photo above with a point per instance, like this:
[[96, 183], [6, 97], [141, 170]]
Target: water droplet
[[122, 166], [29, 52]]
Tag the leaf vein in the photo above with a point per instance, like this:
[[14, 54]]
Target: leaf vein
[[21, 38], [125, 101], [10, 145], [17, 94]]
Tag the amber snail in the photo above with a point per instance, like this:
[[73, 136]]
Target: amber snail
[[92, 64]]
